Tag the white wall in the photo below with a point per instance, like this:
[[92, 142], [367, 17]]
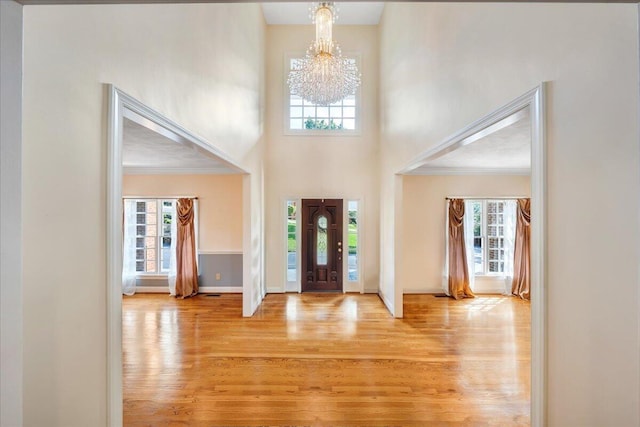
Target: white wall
[[316, 166], [424, 221], [444, 66], [200, 65], [10, 214], [219, 204], [254, 288]]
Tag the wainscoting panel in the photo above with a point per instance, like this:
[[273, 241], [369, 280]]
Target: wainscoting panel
[[228, 265]]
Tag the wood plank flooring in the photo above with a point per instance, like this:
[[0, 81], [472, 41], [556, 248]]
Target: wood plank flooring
[[326, 360]]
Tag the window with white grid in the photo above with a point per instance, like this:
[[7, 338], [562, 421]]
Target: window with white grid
[[488, 236], [153, 235], [308, 118]]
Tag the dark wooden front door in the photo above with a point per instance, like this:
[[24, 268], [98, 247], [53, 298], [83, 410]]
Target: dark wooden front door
[[322, 245]]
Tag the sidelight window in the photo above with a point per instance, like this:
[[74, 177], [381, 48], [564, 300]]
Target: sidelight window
[[292, 241], [352, 240]]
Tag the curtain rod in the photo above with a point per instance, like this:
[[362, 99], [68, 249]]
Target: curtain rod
[[488, 198], [159, 197]]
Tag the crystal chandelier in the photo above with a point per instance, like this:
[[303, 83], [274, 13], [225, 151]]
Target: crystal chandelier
[[323, 76]]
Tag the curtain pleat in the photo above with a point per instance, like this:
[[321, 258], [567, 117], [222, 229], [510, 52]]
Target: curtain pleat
[[173, 262], [467, 224], [521, 285], [186, 266], [458, 271]]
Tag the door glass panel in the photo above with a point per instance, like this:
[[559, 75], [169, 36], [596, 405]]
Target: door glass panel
[[321, 242]]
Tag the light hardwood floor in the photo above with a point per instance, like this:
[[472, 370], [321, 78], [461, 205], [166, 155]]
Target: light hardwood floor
[[326, 360]]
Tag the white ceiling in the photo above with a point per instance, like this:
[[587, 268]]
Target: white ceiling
[[349, 13], [147, 151], [505, 150]]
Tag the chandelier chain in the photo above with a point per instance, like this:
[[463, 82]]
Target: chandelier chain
[[324, 76]]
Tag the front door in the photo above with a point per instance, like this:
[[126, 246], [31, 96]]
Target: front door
[[321, 245]]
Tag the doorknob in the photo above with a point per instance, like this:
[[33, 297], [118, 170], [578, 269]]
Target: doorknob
[[339, 243], [339, 249]]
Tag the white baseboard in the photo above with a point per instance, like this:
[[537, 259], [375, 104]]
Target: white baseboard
[[152, 290], [386, 302], [291, 287], [220, 290], [487, 291], [482, 286], [489, 285], [422, 291], [350, 289], [202, 290]]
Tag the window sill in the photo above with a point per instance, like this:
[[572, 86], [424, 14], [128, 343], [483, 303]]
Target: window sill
[[333, 133], [151, 276]]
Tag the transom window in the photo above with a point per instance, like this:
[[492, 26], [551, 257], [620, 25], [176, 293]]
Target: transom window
[[304, 116]]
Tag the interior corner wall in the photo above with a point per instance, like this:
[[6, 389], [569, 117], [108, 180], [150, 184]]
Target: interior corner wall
[[167, 56], [638, 179], [11, 296], [424, 211], [219, 204], [301, 166], [445, 65], [388, 211], [253, 241]]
